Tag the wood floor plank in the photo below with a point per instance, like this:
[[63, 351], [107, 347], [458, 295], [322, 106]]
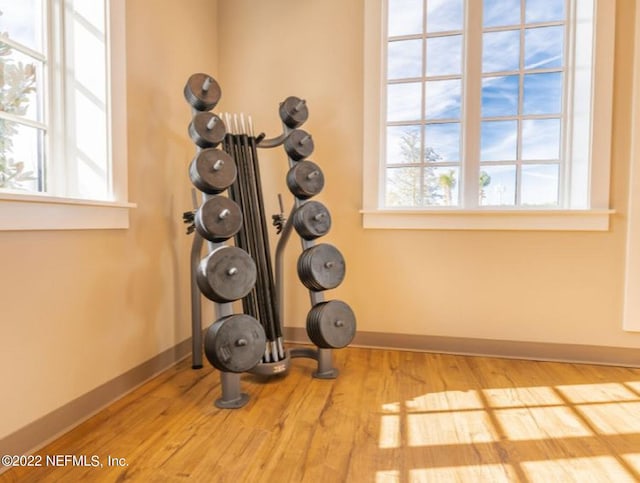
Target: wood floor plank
[[389, 416]]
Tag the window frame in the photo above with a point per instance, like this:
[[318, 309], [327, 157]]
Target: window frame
[[596, 217], [42, 211]]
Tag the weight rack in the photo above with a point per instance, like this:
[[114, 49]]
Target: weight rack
[[234, 342]]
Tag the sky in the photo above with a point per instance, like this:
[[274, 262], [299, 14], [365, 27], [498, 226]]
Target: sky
[[499, 90], [21, 20]]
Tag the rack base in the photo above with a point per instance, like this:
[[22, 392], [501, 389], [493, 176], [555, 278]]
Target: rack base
[[273, 368]]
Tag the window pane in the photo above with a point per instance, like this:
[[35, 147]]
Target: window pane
[[86, 44], [404, 59], [92, 13], [22, 21], [403, 187], [540, 184], [542, 93], [543, 47], [544, 10], [498, 141], [444, 55], [501, 51], [403, 144], [498, 13], [90, 147], [541, 139], [21, 81], [443, 15], [500, 96], [404, 101], [441, 186], [405, 17], [21, 156], [442, 142], [442, 99], [498, 186]]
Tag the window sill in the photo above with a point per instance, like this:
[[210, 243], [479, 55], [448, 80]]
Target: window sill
[[20, 212], [550, 220]]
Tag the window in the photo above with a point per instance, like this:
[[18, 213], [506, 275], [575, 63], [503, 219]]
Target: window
[[486, 107], [62, 105]]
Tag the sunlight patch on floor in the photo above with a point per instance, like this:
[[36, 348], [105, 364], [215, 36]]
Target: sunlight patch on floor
[[541, 423], [515, 397], [450, 428], [595, 393], [488, 473], [389, 476], [445, 401], [603, 469], [633, 460], [613, 418], [543, 420], [389, 431], [393, 407], [634, 386]]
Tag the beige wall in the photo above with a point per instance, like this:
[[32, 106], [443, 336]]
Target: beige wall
[[529, 286], [82, 307]]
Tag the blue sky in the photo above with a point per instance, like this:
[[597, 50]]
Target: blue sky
[[500, 90]]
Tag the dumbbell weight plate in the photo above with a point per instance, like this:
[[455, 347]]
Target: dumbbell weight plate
[[235, 343], [294, 112], [305, 179], [298, 144], [312, 220], [212, 171], [331, 325], [206, 130], [321, 267], [202, 92], [218, 219], [226, 274]]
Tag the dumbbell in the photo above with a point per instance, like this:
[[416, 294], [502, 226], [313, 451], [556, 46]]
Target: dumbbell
[[235, 343], [212, 171], [207, 130], [312, 220], [321, 267], [226, 274], [202, 92], [305, 179], [294, 112], [331, 325], [298, 144], [218, 219]]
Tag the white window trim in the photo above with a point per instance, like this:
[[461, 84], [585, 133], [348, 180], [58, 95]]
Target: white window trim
[[34, 211], [595, 219], [631, 313]]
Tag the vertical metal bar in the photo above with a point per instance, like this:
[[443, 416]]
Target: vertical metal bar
[[232, 397], [279, 258], [269, 288], [325, 365], [196, 308]]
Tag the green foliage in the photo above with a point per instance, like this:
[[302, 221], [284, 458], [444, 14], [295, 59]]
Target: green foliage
[[17, 81], [447, 182], [485, 180]]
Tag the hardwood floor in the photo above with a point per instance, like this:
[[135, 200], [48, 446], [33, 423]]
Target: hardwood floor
[[389, 416]]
